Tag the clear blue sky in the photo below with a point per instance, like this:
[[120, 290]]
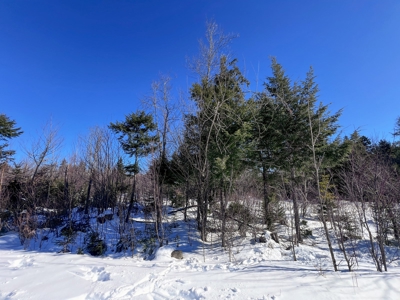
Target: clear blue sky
[[87, 63]]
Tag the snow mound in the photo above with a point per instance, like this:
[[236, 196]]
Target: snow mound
[[164, 253]]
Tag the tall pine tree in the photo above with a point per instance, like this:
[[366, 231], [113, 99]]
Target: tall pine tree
[[136, 139]]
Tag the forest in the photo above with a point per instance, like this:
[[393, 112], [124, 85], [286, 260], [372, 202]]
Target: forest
[[231, 155]]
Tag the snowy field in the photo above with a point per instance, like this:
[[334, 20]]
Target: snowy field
[[256, 271]]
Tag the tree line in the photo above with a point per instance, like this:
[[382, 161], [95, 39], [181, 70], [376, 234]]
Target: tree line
[[233, 155]]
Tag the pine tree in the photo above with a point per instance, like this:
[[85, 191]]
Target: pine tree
[[134, 135]]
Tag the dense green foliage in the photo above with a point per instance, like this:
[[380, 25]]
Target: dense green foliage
[[8, 130]]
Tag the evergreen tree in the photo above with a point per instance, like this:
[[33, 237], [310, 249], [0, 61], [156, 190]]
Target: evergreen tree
[[7, 132], [134, 135], [216, 135], [284, 140], [230, 135], [321, 127], [272, 109], [281, 132]]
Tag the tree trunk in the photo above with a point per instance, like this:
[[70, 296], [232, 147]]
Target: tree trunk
[[382, 250], [1, 180], [158, 206], [316, 167], [186, 200], [394, 223], [199, 209], [88, 196], [223, 216], [132, 199], [328, 239], [204, 209], [299, 238], [267, 216], [372, 246]]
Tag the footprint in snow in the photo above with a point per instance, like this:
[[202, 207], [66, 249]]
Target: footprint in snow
[[94, 274], [180, 281], [232, 292], [12, 295], [268, 297], [95, 296], [24, 262], [194, 293]]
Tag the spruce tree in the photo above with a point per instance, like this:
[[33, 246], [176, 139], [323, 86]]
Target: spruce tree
[[7, 132], [216, 135], [230, 133], [321, 127], [287, 111], [281, 131]]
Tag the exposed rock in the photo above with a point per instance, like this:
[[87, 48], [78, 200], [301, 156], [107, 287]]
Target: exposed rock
[[178, 254], [274, 236], [262, 239]]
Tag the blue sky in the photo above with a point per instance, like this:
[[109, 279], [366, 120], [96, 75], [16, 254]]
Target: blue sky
[[87, 63]]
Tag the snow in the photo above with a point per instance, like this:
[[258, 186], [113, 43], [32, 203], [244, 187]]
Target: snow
[[251, 271]]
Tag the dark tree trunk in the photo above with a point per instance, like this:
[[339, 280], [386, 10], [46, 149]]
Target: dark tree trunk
[[328, 239], [296, 212], [382, 250], [267, 216], [88, 195], [66, 191], [186, 200], [223, 215], [394, 221], [299, 238], [132, 200], [203, 213]]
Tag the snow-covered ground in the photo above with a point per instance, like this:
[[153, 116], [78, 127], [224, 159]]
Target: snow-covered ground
[[254, 271]]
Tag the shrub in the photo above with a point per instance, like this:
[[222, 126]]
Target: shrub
[[5, 216], [304, 230], [5, 219], [80, 226], [149, 245], [94, 244], [123, 244], [55, 221], [101, 220], [239, 211], [276, 213], [178, 200], [109, 217], [69, 236]]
